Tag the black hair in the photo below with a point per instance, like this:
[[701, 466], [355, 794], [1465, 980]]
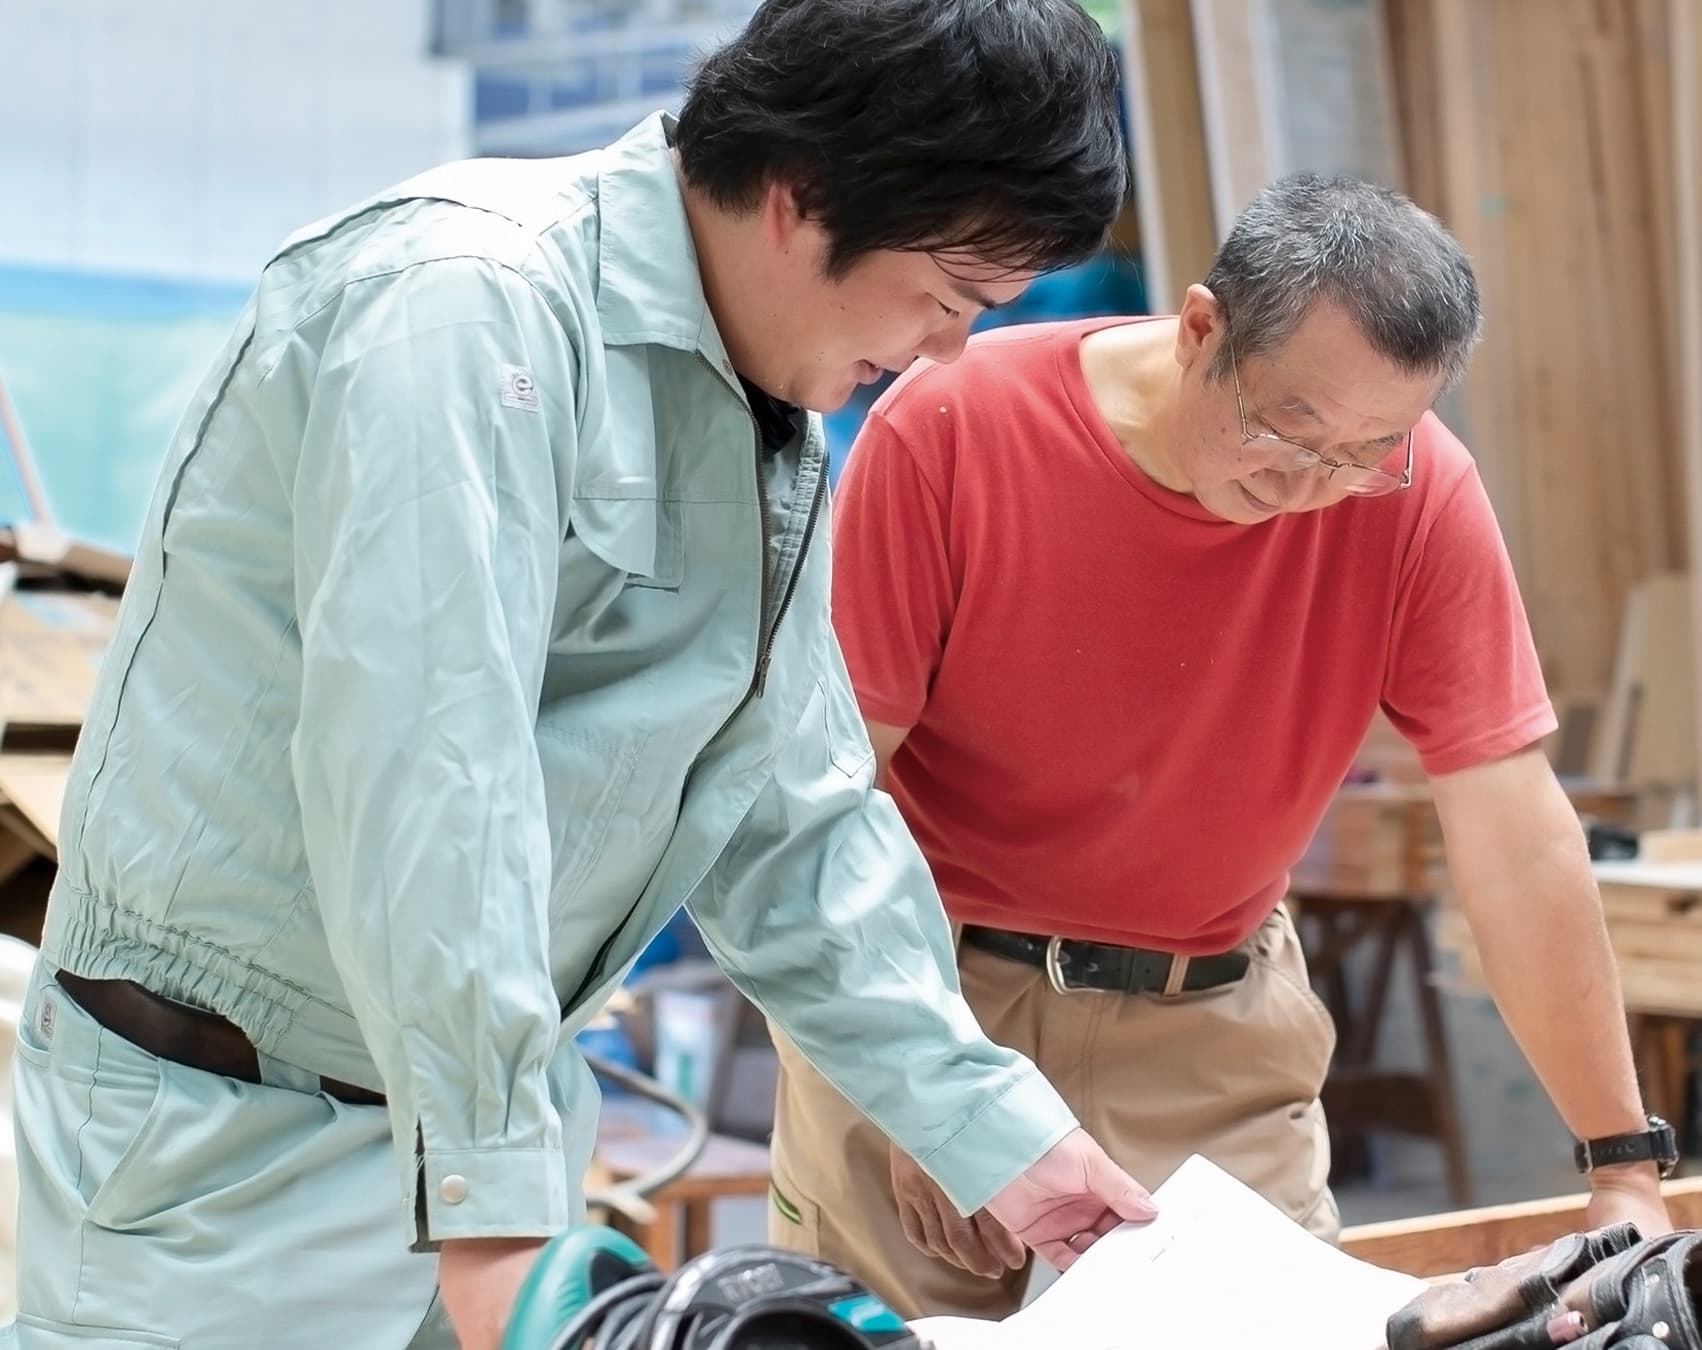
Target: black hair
[[983, 127]]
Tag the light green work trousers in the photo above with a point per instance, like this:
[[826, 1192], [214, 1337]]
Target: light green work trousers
[[164, 1206]]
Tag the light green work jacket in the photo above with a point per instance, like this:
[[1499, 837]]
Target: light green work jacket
[[470, 635]]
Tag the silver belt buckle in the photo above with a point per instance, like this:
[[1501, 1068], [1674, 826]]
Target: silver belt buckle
[[1055, 971]]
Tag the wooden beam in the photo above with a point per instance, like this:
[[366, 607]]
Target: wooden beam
[[1241, 127], [1173, 197], [1410, 26], [1686, 142], [1444, 1244], [1440, 61]]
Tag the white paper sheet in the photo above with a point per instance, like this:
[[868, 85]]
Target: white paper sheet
[[1220, 1268]]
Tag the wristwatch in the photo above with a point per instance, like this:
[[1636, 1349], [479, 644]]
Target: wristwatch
[[1657, 1144]]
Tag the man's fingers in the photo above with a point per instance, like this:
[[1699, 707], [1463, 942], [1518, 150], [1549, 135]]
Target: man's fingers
[[933, 1226], [912, 1223], [1001, 1242], [1106, 1223], [910, 1193], [1065, 1254], [1120, 1191], [968, 1249], [932, 1229]]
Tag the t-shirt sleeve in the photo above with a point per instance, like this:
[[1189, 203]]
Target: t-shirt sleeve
[[893, 587], [1464, 685]]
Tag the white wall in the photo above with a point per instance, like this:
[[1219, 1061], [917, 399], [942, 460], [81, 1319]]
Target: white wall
[[186, 138]]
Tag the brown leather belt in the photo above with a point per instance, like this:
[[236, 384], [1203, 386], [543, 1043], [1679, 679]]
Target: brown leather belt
[[189, 1036]]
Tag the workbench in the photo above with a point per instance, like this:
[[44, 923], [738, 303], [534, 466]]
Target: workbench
[[1653, 911], [1451, 1243], [1367, 884]]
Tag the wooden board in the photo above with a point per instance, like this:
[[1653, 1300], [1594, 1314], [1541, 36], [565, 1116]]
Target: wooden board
[[51, 645], [1240, 124], [1647, 733], [1685, 148], [1290, 86], [1172, 185], [34, 786], [1375, 842], [1411, 30], [1660, 876], [1333, 89], [1443, 1244], [1653, 913], [1559, 209], [45, 552]]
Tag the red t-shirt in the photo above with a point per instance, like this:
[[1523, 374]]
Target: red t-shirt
[[1128, 716]]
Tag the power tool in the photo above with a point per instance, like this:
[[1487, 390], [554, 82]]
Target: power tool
[[594, 1289]]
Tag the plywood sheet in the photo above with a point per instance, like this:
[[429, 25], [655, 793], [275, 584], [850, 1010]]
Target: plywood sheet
[[1545, 161], [1648, 731]]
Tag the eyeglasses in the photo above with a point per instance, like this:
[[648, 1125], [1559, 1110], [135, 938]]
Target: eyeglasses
[[1286, 456]]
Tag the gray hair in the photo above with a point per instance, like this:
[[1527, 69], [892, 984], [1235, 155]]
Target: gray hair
[[1391, 267]]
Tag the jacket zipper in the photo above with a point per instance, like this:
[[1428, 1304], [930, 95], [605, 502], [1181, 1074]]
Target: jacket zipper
[[767, 650], [765, 654]]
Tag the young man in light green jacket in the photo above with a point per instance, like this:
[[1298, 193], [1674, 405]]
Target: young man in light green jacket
[[480, 622]]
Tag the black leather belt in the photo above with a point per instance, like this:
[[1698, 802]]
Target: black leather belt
[[1081, 967], [189, 1036]]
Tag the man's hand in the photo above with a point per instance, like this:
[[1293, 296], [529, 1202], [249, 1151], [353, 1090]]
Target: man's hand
[[979, 1244], [1629, 1194], [1070, 1199], [479, 1279]]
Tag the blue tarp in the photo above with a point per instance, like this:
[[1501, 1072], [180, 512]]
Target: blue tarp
[[100, 368]]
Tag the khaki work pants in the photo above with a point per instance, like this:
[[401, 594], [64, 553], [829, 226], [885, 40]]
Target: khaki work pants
[[1232, 1073]]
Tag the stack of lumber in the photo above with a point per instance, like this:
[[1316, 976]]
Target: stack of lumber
[[1653, 908], [1378, 840]]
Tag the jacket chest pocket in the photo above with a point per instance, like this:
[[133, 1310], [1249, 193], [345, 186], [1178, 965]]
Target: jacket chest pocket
[[638, 535]]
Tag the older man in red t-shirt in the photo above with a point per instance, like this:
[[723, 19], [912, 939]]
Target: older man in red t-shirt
[[1120, 599]]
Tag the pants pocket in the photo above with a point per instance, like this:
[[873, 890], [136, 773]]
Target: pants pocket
[[93, 1100], [794, 1220], [1279, 957]]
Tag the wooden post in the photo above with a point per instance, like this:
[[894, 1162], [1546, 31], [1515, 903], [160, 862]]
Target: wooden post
[[1172, 184], [1686, 143]]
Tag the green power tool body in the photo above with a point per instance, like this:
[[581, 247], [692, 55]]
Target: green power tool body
[[594, 1289]]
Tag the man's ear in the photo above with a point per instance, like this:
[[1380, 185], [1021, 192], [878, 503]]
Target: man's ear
[[1201, 327], [781, 215]]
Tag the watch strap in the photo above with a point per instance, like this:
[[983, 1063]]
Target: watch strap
[[1656, 1144]]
